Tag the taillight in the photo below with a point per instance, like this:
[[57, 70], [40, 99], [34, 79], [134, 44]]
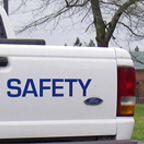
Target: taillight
[[126, 91]]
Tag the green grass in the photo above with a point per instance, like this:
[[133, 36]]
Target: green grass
[[138, 132]]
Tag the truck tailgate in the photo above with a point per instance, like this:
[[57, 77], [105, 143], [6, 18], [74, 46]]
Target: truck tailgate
[[53, 96]]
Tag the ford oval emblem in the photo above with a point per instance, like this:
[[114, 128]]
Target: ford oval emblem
[[93, 101]]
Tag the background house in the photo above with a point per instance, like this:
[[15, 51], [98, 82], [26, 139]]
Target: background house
[[138, 59]]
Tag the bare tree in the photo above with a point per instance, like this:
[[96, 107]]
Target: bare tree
[[104, 15]]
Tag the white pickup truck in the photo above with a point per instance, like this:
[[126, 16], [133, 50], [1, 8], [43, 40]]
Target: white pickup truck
[[64, 93]]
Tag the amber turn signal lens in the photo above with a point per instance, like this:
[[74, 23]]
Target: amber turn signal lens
[[127, 110]]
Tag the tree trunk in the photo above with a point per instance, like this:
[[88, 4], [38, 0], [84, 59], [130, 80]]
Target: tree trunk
[[102, 43], [103, 35], [99, 24]]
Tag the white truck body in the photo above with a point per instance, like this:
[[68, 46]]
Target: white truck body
[[61, 92], [36, 100]]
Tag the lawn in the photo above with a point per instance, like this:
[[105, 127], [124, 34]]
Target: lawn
[[138, 132]]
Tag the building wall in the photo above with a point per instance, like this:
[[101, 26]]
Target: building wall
[[140, 86]]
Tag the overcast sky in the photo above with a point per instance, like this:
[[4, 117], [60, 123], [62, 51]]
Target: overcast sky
[[65, 33]]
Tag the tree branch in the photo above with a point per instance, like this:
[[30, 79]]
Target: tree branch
[[76, 3], [86, 14], [52, 16], [23, 2], [117, 16], [89, 26], [42, 20], [67, 4], [142, 36], [135, 58], [110, 3]]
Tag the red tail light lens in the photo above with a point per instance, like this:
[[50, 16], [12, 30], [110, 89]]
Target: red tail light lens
[[126, 91]]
